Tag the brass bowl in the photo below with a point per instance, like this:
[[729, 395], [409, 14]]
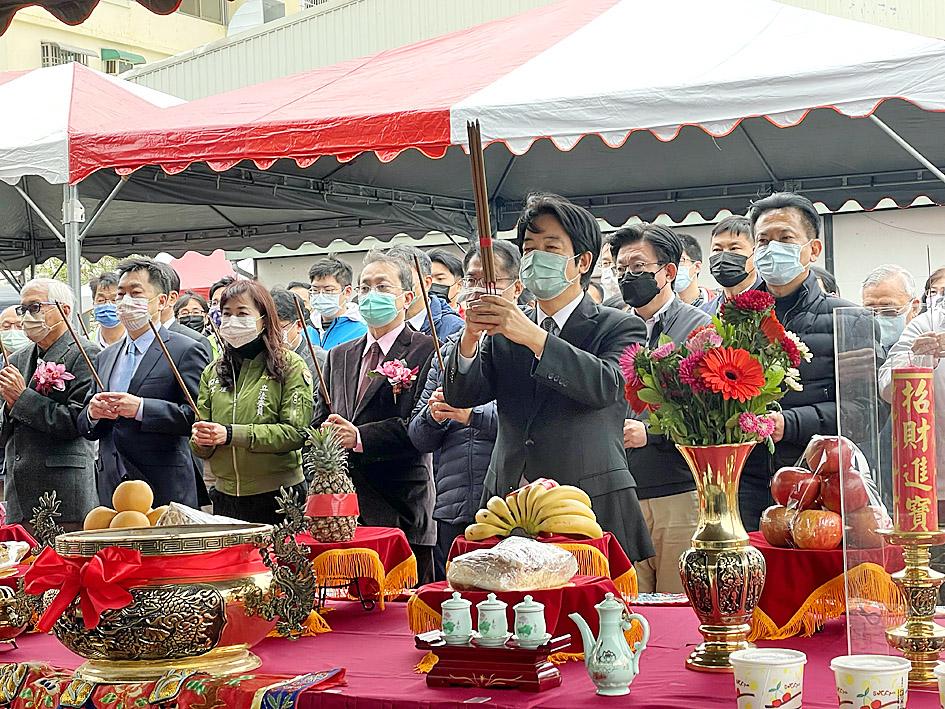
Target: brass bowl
[[172, 622]]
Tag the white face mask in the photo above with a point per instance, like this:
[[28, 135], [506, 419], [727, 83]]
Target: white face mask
[[239, 330], [35, 326], [609, 282], [133, 312]]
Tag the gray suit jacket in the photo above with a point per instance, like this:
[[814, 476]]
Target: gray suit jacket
[[678, 321], [561, 417], [44, 449]]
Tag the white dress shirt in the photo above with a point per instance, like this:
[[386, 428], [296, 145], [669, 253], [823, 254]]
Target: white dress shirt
[[655, 318], [416, 322]]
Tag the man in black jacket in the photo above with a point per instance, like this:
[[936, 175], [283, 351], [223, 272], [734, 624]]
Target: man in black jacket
[[555, 376], [647, 258], [786, 228]]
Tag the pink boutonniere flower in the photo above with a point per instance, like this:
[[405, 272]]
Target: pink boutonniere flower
[[398, 374], [50, 375]]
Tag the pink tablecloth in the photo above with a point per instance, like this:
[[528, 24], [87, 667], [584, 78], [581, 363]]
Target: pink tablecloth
[[378, 651]]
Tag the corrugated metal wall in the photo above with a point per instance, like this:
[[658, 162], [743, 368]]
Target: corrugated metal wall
[[331, 32]]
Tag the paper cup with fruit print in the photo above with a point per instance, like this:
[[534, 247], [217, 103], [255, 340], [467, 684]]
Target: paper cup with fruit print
[[871, 681], [769, 678]]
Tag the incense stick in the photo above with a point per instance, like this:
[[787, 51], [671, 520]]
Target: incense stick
[[177, 376], [75, 338], [85, 330], [481, 199], [311, 348], [426, 304]]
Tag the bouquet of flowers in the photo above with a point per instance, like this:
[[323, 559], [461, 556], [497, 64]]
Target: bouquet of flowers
[[719, 385], [398, 374]]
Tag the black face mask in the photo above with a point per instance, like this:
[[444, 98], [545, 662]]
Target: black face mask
[[639, 289], [194, 322], [728, 268], [441, 290]]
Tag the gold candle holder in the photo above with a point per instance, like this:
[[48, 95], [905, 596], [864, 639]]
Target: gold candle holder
[[919, 638]]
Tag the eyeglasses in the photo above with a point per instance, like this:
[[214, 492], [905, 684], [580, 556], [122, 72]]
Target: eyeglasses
[[382, 288], [328, 290], [637, 268], [470, 283], [890, 311], [33, 308]]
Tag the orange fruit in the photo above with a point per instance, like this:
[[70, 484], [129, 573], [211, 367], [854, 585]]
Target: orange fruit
[[99, 518], [155, 514], [129, 518], [133, 496]]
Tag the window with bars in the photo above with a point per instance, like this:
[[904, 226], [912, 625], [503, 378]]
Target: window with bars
[[117, 66], [305, 4], [54, 55]]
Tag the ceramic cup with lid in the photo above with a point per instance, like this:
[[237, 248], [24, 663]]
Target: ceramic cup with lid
[[865, 679], [457, 620], [492, 623], [530, 630]]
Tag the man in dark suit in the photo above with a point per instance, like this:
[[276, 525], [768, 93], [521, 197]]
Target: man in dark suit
[[555, 375], [170, 321], [393, 480], [142, 421], [44, 450], [647, 258]]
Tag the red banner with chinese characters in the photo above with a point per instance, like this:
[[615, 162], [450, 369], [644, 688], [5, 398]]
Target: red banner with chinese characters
[[913, 450]]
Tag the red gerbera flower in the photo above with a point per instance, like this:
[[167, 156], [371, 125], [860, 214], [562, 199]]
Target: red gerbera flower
[[790, 349], [756, 300], [733, 373], [636, 403], [772, 328]]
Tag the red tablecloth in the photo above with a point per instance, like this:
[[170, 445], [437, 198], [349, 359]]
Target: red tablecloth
[[380, 556], [16, 533], [379, 654], [804, 587], [595, 557]]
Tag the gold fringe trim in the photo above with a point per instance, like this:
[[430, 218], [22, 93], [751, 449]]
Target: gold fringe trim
[[401, 578], [421, 619], [591, 562], [313, 625], [426, 664], [867, 580], [627, 584], [338, 566]]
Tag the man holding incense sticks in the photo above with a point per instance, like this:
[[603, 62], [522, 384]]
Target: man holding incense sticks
[[45, 451], [554, 374]]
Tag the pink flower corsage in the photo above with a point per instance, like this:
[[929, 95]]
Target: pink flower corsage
[[49, 376], [399, 375]]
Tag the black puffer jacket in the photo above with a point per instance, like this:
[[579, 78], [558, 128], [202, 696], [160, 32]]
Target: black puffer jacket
[[461, 454], [814, 410]]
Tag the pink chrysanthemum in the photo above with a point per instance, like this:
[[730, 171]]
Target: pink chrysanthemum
[[628, 364], [752, 300], [765, 426], [662, 351], [761, 426], [704, 338], [688, 372]]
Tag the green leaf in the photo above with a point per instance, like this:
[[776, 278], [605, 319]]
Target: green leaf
[[110, 698], [650, 396]]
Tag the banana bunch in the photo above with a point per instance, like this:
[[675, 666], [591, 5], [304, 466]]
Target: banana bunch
[[542, 506]]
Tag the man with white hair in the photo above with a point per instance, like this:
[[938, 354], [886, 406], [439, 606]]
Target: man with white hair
[[889, 291], [44, 450]]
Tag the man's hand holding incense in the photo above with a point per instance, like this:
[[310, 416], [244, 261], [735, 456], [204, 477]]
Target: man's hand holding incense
[[497, 316]]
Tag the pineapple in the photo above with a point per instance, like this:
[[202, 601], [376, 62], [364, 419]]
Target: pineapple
[[325, 466]]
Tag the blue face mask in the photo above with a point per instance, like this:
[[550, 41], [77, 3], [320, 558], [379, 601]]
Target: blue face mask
[[106, 314], [544, 274], [378, 309], [215, 315], [325, 304], [890, 328], [683, 279], [779, 263]]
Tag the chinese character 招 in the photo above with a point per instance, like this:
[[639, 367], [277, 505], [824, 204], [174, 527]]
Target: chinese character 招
[[917, 397]]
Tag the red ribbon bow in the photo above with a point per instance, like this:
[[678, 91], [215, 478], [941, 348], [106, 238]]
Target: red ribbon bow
[[101, 583]]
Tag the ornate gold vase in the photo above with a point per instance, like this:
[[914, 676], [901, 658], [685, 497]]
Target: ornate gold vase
[[722, 573]]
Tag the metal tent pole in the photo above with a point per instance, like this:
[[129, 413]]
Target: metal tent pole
[[908, 148], [73, 215]]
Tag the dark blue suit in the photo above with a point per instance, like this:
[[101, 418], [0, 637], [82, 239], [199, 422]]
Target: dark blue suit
[[155, 449]]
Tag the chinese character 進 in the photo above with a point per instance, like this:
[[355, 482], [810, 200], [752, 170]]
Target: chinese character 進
[[920, 475], [918, 507], [917, 398]]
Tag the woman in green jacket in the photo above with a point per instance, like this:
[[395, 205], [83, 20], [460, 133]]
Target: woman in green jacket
[[255, 403]]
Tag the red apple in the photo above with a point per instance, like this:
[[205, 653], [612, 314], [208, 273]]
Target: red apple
[[827, 454], [795, 487], [817, 529], [776, 526], [855, 496], [862, 525]]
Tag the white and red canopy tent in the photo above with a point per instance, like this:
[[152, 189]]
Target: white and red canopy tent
[[627, 106]]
